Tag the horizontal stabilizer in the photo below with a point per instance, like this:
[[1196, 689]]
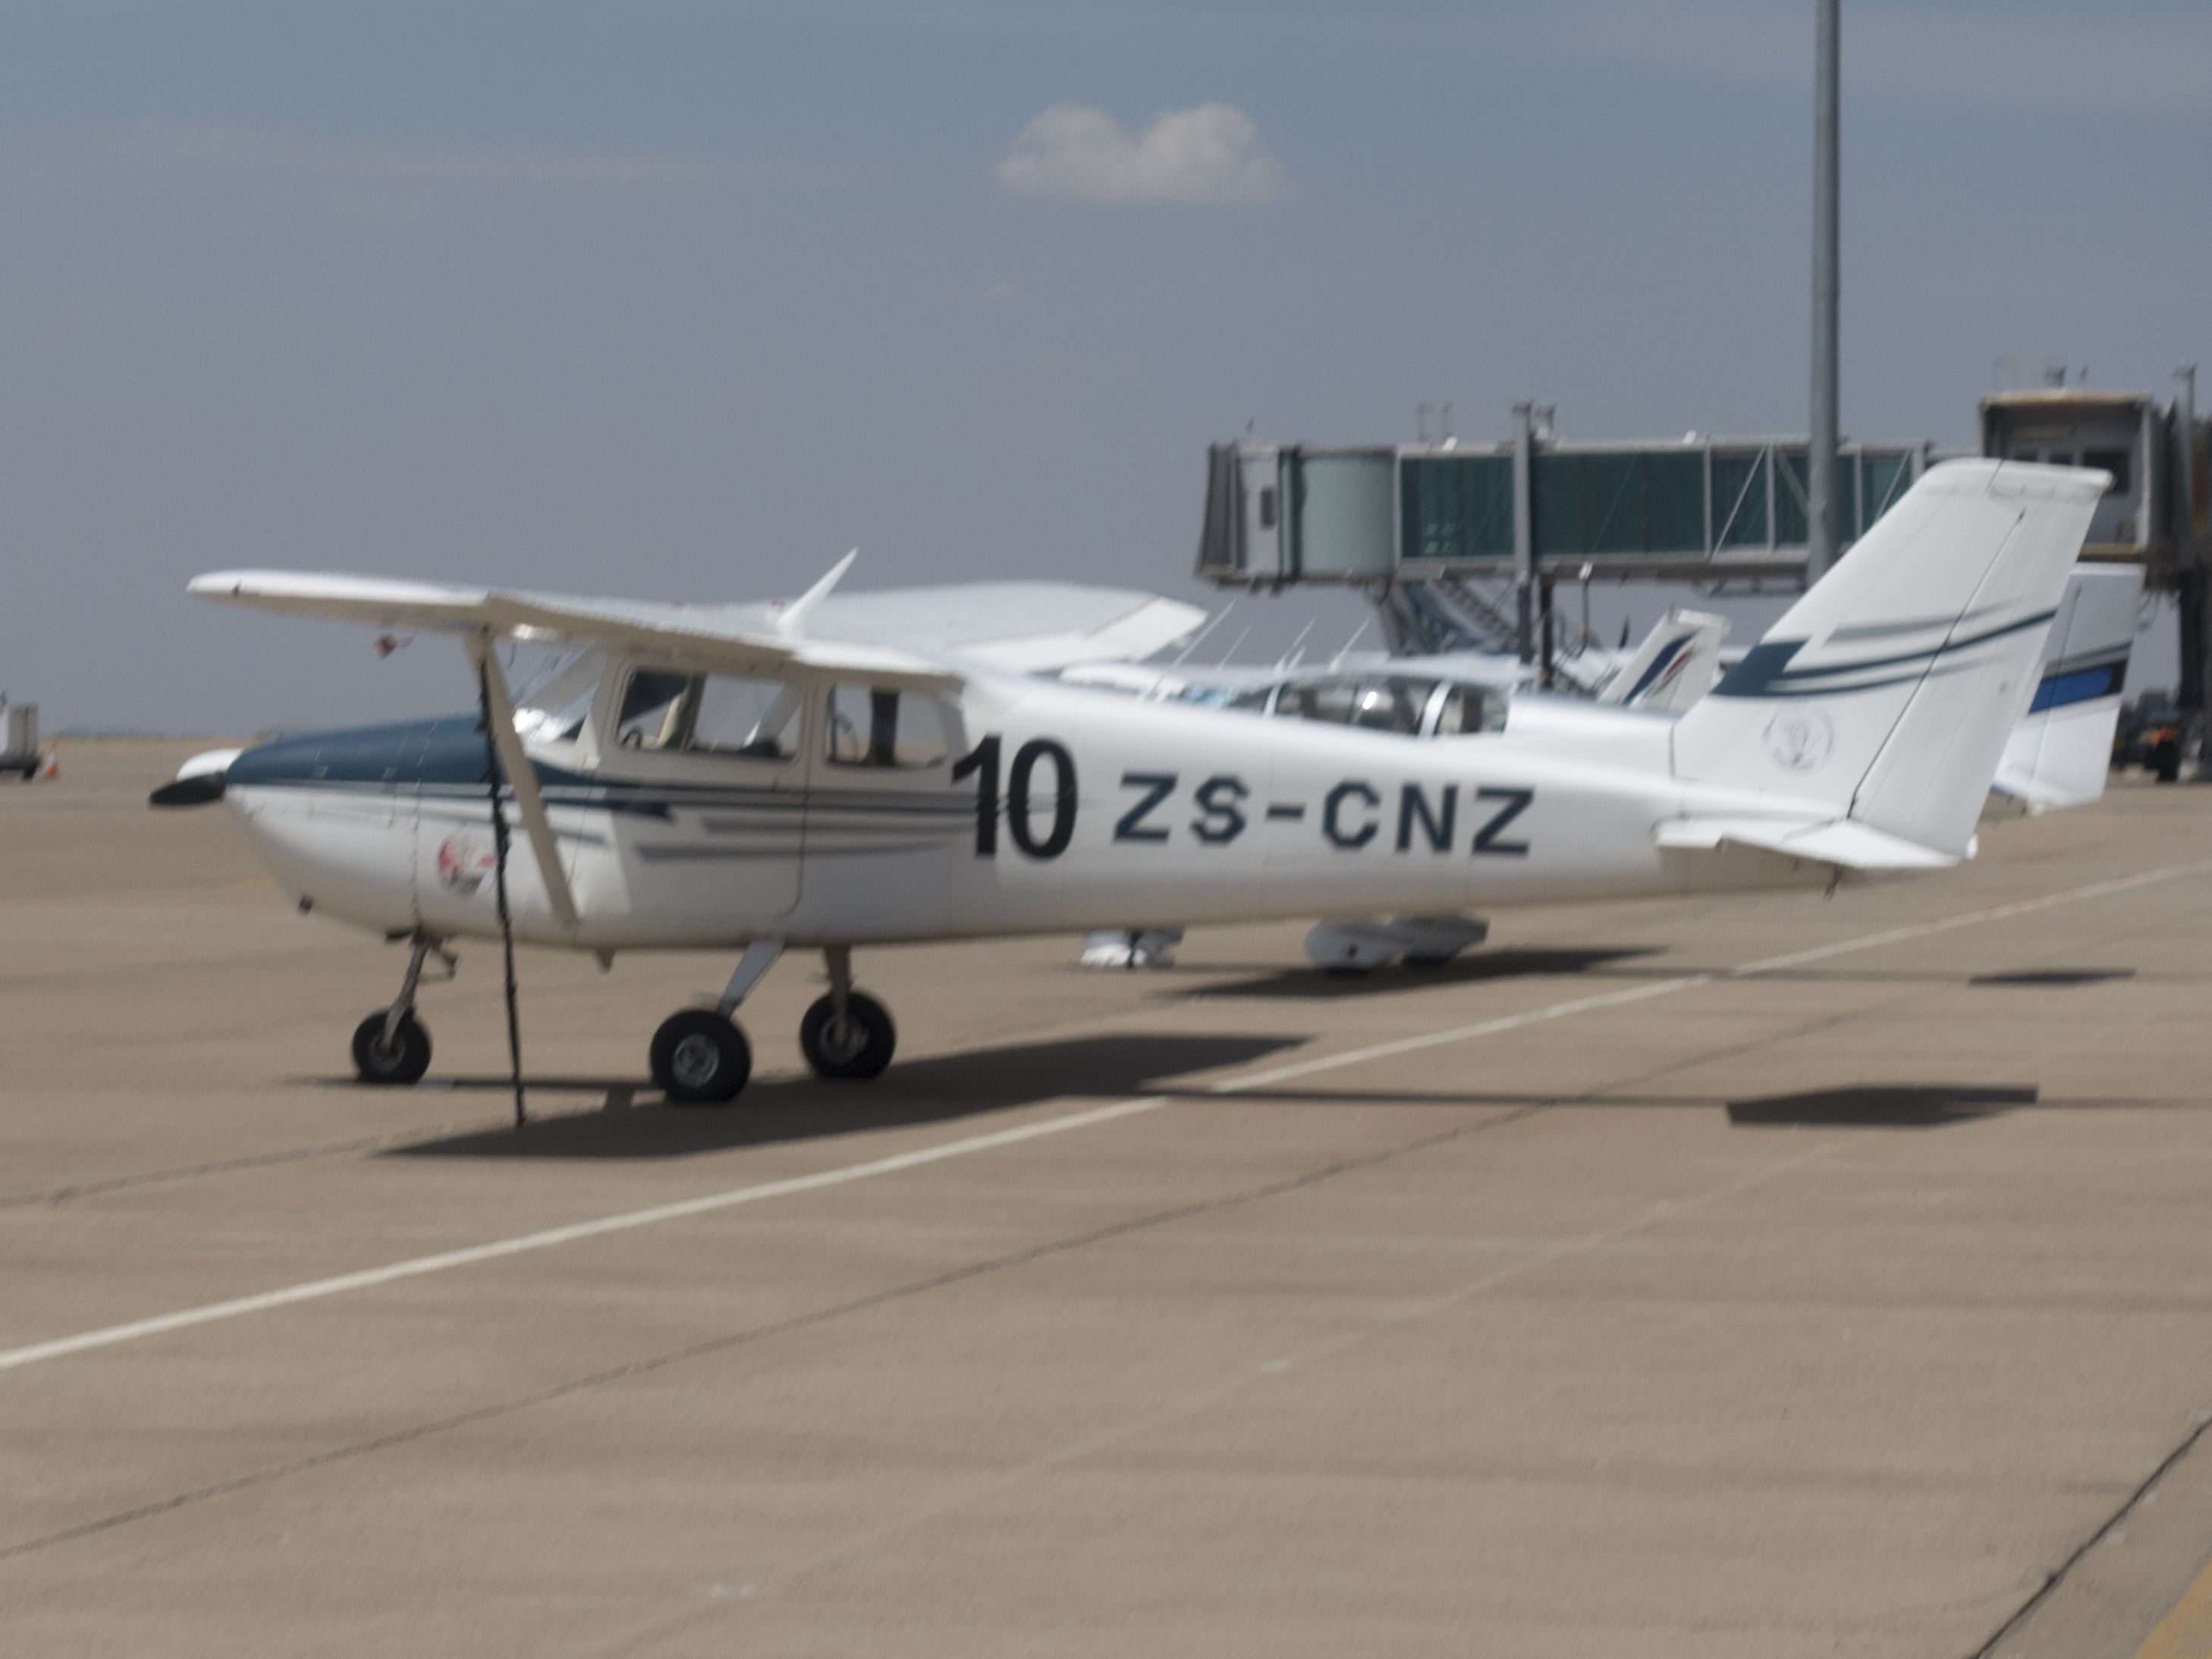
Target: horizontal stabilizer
[[1843, 843]]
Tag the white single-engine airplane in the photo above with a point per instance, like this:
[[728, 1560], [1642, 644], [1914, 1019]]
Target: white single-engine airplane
[[704, 777]]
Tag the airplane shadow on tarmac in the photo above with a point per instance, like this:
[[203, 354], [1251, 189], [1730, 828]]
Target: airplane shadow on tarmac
[[937, 1090], [1473, 969], [1880, 1106]]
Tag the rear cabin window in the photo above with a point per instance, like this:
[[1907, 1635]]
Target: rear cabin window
[[881, 726]]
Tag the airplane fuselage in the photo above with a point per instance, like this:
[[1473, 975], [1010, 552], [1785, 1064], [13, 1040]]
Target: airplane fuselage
[[1050, 808]]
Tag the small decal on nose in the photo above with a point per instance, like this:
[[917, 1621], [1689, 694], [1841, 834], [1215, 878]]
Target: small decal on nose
[[462, 863]]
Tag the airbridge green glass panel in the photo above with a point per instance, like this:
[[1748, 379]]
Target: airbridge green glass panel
[[1886, 475], [1633, 501], [1790, 495], [1740, 498], [1456, 506], [1343, 526]]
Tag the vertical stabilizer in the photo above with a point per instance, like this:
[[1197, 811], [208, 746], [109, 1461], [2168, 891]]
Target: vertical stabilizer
[[1677, 664], [1888, 691], [2059, 754]]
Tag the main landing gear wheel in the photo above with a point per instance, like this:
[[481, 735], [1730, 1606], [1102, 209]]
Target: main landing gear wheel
[[700, 1058], [398, 1061], [854, 1042]]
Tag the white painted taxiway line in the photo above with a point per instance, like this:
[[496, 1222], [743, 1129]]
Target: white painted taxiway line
[[1712, 976], [708, 1203]]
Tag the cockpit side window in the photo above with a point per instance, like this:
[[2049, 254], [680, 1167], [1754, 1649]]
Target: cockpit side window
[[1376, 702], [1470, 709], [738, 715], [1330, 701], [652, 710], [1391, 704]]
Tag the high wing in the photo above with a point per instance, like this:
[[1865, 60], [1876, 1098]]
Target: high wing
[[1023, 628], [906, 632], [711, 635]]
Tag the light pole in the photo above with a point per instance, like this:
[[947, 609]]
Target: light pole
[[1821, 517]]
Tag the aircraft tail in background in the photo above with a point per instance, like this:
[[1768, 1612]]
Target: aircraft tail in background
[[1887, 692], [2059, 754], [1678, 663]]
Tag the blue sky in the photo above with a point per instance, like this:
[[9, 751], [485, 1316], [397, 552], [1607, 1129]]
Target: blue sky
[[683, 299]]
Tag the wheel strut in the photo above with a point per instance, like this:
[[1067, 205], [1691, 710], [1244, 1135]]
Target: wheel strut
[[404, 1004]]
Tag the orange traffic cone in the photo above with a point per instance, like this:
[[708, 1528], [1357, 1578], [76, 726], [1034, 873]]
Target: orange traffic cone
[[53, 768]]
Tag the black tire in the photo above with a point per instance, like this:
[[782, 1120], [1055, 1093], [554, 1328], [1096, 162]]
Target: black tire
[[394, 1065], [701, 1058], [859, 1046]]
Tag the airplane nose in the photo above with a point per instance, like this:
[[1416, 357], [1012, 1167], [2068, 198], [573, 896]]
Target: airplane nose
[[333, 814]]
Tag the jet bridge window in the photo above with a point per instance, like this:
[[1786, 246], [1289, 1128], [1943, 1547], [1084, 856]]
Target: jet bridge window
[[709, 713], [881, 726], [2114, 461]]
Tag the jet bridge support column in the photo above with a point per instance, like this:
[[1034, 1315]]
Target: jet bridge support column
[[1524, 530]]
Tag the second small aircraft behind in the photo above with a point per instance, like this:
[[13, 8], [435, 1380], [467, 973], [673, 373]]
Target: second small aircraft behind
[[704, 778]]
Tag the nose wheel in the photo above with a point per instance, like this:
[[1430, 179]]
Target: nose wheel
[[390, 1049], [391, 1058]]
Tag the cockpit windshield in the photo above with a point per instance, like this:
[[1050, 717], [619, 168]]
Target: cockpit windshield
[[552, 698]]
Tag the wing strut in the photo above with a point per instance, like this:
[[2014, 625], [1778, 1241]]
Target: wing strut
[[499, 724], [486, 669]]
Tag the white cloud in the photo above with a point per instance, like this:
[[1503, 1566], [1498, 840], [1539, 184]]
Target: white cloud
[[1209, 154], [269, 149]]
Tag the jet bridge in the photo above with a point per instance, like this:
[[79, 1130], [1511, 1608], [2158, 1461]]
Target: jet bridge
[[1700, 508]]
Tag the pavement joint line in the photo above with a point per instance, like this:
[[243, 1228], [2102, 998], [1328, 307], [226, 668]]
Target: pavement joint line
[[1498, 1119], [708, 1203], [54, 1197], [751, 1334], [1557, 1250], [2057, 1575]]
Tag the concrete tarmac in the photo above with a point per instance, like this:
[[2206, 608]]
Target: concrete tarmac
[[1758, 1277]]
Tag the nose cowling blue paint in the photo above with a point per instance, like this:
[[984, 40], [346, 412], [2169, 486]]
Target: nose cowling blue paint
[[400, 756]]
